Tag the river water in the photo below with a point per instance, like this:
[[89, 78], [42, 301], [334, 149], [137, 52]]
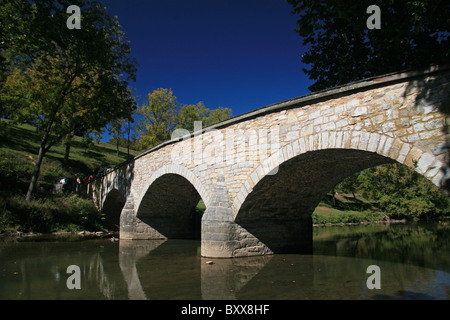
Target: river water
[[413, 261]]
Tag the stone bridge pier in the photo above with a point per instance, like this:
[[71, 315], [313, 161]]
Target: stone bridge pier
[[262, 174]]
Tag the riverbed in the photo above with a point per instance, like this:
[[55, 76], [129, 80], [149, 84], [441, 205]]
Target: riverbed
[[413, 261]]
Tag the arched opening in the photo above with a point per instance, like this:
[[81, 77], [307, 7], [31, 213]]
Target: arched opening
[[391, 191], [171, 206], [112, 207], [279, 208]]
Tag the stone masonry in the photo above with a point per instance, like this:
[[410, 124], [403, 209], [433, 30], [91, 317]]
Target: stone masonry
[[261, 174]]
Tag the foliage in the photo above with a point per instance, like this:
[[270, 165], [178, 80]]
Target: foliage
[[400, 192], [64, 79], [49, 214], [321, 216], [190, 113], [15, 169], [116, 129], [162, 114], [159, 115], [46, 211], [341, 49], [349, 185]]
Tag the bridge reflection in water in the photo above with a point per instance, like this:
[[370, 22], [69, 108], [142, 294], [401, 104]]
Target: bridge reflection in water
[[414, 263], [176, 269]]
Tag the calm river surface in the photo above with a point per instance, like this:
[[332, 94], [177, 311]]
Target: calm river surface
[[414, 262]]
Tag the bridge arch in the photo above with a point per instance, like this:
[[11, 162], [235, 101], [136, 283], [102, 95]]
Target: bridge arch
[[286, 188], [112, 207], [390, 148], [168, 203], [174, 169]]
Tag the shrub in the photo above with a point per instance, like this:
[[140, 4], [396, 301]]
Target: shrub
[[403, 193], [399, 191], [83, 212], [49, 214], [337, 217]]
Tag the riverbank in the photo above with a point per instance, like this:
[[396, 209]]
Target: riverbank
[[67, 235], [114, 235], [327, 215]]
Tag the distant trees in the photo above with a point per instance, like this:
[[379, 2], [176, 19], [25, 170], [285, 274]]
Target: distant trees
[[60, 78], [399, 191], [158, 117], [190, 113], [161, 114]]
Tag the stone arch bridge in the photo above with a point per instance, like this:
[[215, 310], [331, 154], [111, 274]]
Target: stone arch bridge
[[261, 174]]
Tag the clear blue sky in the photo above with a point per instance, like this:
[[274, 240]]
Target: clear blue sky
[[240, 54]]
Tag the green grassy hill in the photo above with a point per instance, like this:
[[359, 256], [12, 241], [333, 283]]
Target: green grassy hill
[[19, 145]]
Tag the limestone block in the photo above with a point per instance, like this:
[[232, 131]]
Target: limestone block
[[359, 111], [424, 162]]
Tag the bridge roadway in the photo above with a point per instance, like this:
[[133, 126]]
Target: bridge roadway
[[261, 174]]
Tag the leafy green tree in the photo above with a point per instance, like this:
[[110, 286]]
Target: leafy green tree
[[116, 128], [190, 113], [341, 49], [162, 114], [158, 117], [64, 79], [402, 192], [349, 185]]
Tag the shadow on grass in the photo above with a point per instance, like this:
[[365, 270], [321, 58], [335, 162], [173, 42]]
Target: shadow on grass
[[95, 155], [350, 203], [18, 139]]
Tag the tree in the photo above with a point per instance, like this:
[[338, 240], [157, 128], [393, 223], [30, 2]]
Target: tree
[[162, 114], [159, 117], [190, 113], [64, 79], [341, 49], [402, 192], [116, 129], [350, 184]]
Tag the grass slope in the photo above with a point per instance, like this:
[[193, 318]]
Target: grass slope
[[19, 146], [48, 211], [345, 209]]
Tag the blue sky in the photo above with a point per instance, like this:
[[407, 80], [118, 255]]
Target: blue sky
[[240, 54]]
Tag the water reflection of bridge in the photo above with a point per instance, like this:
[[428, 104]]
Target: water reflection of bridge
[[146, 270], [220, 279], [171, 269]]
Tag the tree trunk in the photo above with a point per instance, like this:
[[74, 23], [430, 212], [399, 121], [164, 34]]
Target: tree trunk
[[37, 165], [37, 169], [67, 154]]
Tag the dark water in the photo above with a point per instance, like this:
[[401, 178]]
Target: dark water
[[414, 262]]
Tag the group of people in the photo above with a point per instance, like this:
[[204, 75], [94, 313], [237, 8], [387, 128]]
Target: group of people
[[75, 184]]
